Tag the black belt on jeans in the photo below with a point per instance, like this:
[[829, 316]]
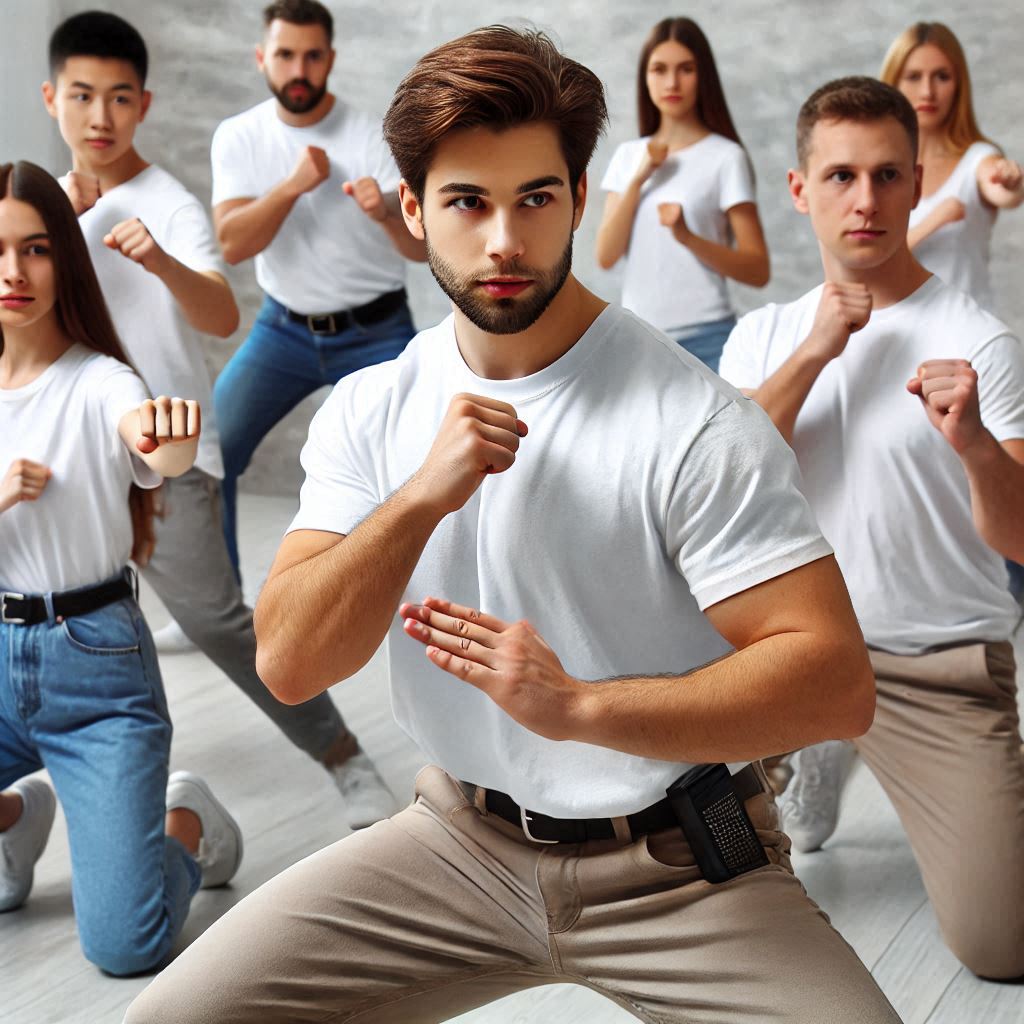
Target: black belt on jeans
[[369, 313], [543, 829], [28, 610]]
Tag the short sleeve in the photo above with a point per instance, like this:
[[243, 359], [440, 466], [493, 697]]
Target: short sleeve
[[340, 488], [621, 169], [190, 238], [736, 516], [1000, 368], [119, 391], [736, 180], [234, 170], [742, 360]]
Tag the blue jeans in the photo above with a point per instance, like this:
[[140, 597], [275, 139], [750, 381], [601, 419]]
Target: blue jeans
[[705, 341], [84, 699], [278, 365]]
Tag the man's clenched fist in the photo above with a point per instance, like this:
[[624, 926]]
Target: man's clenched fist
[[366, 192], [842, 310], [166, 420], [478, 436], [311, 169], [83, 190], [948, 389], [132, 239], [23, 481]]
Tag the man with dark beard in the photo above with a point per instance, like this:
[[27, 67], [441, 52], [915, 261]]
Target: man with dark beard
[[648, 522], [307, 186]]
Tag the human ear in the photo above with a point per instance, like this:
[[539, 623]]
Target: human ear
[[49, 95], [147, 98], [260, 57], [918, 177], [797, 183], [412, 210], [580, 201]]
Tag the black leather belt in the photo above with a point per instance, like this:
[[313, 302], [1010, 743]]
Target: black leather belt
[[28, 610], [370, 312], [543, 829]]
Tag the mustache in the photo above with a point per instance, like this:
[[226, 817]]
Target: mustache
[[299, 81]]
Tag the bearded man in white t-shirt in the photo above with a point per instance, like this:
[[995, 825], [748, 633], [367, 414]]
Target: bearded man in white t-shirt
[[604, 575], [157, 262], [903, 401], [305, 185]]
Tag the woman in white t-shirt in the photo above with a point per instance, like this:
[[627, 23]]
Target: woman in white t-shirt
[[680, 203], [967, 180], [80, 688]]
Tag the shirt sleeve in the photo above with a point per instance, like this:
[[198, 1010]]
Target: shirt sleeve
[[736, 180], [1000, 368], [190, 238], [621, 169], [736, 515], [121, 390], [742, 361], [340, 489], [233, 166]]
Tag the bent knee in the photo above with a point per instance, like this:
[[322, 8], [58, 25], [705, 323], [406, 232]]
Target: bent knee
[[998, 956], [124, 961]]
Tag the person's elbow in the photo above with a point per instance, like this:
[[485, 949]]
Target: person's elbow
[[229, 318], [606, 259], [854, 700]]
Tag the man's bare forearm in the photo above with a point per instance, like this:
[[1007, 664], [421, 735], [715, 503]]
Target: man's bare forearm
[[320, 620], [782, 693], [248, 229], [997, 496], [783, 394], [205, 298]]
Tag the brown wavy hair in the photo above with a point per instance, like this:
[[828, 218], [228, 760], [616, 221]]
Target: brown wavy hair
[[495, 77], [82, 312], [962, 126], [712, 108]]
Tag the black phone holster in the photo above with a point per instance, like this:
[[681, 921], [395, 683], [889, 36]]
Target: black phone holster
[[715, 823]]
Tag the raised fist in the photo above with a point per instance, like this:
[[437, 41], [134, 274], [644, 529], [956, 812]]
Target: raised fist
[[842, 310], [654, 157], [83, 190], [23, 481], [366, 192], [131, 238], [166, 420], [311, 169], [948, 389]]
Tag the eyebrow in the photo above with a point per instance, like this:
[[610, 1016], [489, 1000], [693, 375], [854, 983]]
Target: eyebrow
[[36, 237], [122, 86], [463, 188]]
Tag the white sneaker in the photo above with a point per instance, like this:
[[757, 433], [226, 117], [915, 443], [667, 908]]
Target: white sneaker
[[220, 848], [810, 805], [366, 795], [170, 639], [23, 843]]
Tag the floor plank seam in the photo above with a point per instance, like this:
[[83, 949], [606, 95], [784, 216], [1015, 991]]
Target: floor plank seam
[[892, 942], [942, 995]]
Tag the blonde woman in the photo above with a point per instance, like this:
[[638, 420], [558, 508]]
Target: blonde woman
[[967, 179]]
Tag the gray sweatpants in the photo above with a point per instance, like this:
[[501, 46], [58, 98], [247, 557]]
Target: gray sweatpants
[[192, 574]]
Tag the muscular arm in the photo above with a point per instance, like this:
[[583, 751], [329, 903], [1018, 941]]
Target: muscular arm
[[995, 473], [747, 262], [204, 296], [800, 674], [783, 394], [245, 227], [330, 599]]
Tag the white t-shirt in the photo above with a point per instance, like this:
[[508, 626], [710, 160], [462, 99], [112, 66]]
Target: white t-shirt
[[665, 283], [164, 347], [959, 252], [890, 492], [79, 531], [327, 255], [646, 490]]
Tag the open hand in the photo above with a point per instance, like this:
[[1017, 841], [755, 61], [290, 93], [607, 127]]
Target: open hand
[[948, 390], [366, 192], [23, 481], [131, 238], [511, 663], [166, 420]]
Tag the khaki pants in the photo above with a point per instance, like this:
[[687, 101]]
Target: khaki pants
[[441, 909], [946, 747]]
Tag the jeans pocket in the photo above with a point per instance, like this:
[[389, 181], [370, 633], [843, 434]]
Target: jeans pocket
[[110, 631]]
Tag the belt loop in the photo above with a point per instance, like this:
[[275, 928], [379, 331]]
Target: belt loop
[[623, 833], [132, 578], [48, 601]]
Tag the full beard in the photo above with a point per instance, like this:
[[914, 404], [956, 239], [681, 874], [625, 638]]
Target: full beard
[[501, 316], [294, 106]]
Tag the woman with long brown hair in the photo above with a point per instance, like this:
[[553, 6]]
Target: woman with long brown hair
[[967, 179], [680, 203], [80, 693]]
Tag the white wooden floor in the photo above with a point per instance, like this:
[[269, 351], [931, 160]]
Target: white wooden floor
[[866, 877]]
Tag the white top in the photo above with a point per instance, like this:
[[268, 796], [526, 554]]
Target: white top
[[959, 252], [327, 255], [164, 347], [646, 491], [79, 531], [665, 283], [889, 491]]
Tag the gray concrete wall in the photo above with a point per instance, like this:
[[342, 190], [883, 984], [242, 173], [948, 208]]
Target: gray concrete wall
[[770, 58]]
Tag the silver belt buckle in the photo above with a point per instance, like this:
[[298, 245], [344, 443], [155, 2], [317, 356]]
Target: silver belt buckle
[[12, 619], [525, 819]]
